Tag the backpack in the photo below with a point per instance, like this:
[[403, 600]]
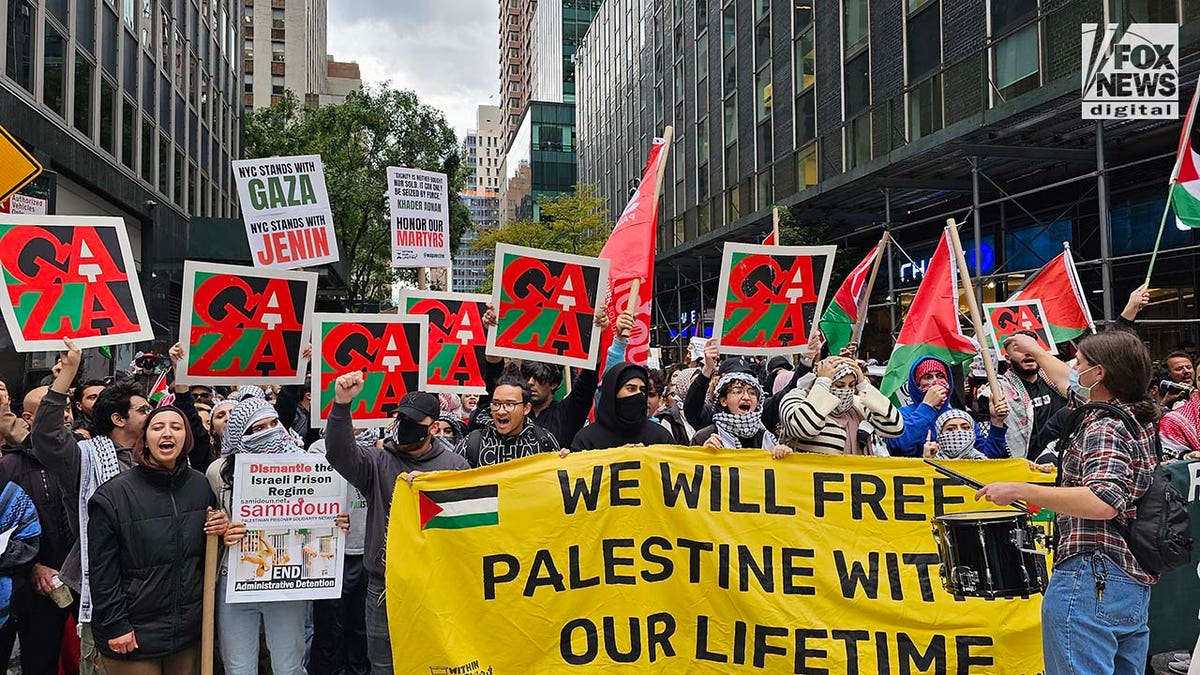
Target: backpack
[[1160, 535]]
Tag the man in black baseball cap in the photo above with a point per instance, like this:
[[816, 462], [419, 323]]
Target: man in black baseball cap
[[410, 448]]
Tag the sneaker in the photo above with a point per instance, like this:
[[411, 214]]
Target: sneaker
[[1179, 667]]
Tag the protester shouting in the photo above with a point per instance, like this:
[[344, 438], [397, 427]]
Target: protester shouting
[[737, 418], [411, 447], [827, 414], [512, 433], [146, 535], [621, 413], [1094, 615], [253, 428]]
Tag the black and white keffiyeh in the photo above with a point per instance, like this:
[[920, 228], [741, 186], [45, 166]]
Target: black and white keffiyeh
[[734, 428]]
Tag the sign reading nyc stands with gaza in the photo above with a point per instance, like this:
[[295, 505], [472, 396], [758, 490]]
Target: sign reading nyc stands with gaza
[[286, 210]]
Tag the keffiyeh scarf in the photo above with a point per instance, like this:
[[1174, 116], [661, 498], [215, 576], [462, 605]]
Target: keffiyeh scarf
[[97, 464], [735, 428]]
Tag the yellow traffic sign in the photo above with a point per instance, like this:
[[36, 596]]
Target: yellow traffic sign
[[17, 167]]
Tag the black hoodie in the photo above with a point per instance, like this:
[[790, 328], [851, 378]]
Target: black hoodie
[[610, 432]]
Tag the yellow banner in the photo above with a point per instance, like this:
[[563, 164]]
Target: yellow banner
[[686, 560]]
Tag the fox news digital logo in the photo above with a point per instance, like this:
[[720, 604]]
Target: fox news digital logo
[[1131, 73]]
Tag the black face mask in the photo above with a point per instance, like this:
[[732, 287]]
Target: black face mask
[[631, 409], [408, 433]]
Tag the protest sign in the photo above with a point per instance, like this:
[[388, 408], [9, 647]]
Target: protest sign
[[546, 306], [457, 338], [688, 560], [286, 211], [1007, 318], [70, 276], [246, 325], [769, 297], [391, 350], [420, 218], [696, 348], [293, 548]]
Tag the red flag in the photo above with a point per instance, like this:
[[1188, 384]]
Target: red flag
[[770, 240], [1057, 286], [630, 252]]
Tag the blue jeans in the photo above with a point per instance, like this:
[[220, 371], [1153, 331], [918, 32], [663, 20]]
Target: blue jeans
[[237, 631], [1085, 635], [379, 645]]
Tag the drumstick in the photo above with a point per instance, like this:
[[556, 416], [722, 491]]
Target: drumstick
[[972, 483]]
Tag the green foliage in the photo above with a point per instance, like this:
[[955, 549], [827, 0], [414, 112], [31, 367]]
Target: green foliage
[[357, 140], [572, 223]]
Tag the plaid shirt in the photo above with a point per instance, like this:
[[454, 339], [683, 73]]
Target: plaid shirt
[[1118, 469]]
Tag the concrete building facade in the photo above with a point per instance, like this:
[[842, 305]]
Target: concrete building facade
[[284, 49], [483, 149]]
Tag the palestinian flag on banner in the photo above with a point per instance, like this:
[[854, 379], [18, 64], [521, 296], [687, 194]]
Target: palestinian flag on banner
[[1185, 178], [837, 323], [931, 326], [1067, 313], [161, 390], [459, 508]]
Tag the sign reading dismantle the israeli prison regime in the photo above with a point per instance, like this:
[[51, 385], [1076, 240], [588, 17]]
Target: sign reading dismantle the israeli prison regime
[[690, 560], [420, 218], [391, 350], [1008, 318], [70, 276], [244, 325], [286, 211], [546, 306], [770, 297], [457, 338], [293, 547]]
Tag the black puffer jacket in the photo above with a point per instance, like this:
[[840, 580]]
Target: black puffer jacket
[[146, 554]]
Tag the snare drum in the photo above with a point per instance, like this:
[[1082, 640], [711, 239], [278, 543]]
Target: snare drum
[[990, 554]]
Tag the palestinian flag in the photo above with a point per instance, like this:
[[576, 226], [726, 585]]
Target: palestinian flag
[[459, 508], [1067, 312], [837, 323], [160, 393], [931, 327], [1185, 178]]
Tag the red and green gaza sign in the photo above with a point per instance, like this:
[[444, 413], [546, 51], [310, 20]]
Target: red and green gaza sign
[[457, 338], [769, 297], [546, 306], [389, 349], [70, 277], [247, 325], [1008, 318]]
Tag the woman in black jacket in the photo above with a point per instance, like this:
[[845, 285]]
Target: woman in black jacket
[[622, 413], [146, 532]]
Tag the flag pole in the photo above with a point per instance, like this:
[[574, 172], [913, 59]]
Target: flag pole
[[861, 321], [1162, 224], [775, 225], [973, 306]]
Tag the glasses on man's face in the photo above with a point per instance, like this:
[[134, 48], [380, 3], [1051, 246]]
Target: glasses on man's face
[[738, 391], [144, 409], [203, 396], [505, 406]]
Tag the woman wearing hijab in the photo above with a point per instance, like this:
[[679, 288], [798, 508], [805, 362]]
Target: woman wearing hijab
[[253, 428], [217, 422], [621, 413], [146, 530], [737, 402], [827, 414], [450, 427], [957, 438]]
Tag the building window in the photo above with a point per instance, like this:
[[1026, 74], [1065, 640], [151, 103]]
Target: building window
[[762, 43], [858, 141], [805, 61], [924, 43], [801, 16], [1016, 62], [731, 128], [164, 165], [728, 29], [179, 196], [702, 57], [702, 141], [147, 150], [128, 13], [858, 84], [806, 116], [806, 167], [128, 132], [701, 16], [731, 165], [53, 77], [925, 108], [763, 191], [1009, 14], [83, 94], [855, 23], [1144, 11], [108, 116]]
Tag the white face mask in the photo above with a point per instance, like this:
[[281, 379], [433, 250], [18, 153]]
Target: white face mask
[[845, 400], [272, 439], [956, 443]]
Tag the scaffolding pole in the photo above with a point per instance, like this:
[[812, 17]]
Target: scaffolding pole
[[1105, 224]]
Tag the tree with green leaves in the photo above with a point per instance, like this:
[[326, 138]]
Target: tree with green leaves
[[357, 140], [576, 222]]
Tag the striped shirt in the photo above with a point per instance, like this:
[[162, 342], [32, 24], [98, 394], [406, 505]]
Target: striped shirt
[[807, 422]]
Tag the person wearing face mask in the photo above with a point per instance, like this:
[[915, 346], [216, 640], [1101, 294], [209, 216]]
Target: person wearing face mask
[[957, 438], [621, 413], [450, 427], [410, 448], [217, 422], [1094, 614], [737, 402], [253, 428], [146, 535], [931, 378], [826, 417]]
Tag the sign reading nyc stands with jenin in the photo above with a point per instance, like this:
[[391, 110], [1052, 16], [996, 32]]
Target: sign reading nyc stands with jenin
[[286, 211]]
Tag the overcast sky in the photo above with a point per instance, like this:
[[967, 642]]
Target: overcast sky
[[444, 50]]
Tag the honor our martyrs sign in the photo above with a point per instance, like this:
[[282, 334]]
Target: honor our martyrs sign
[[245, 325], [286, 211], [68, 276]]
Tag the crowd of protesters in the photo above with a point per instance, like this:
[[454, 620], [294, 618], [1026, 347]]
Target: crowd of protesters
[[110, 496]]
